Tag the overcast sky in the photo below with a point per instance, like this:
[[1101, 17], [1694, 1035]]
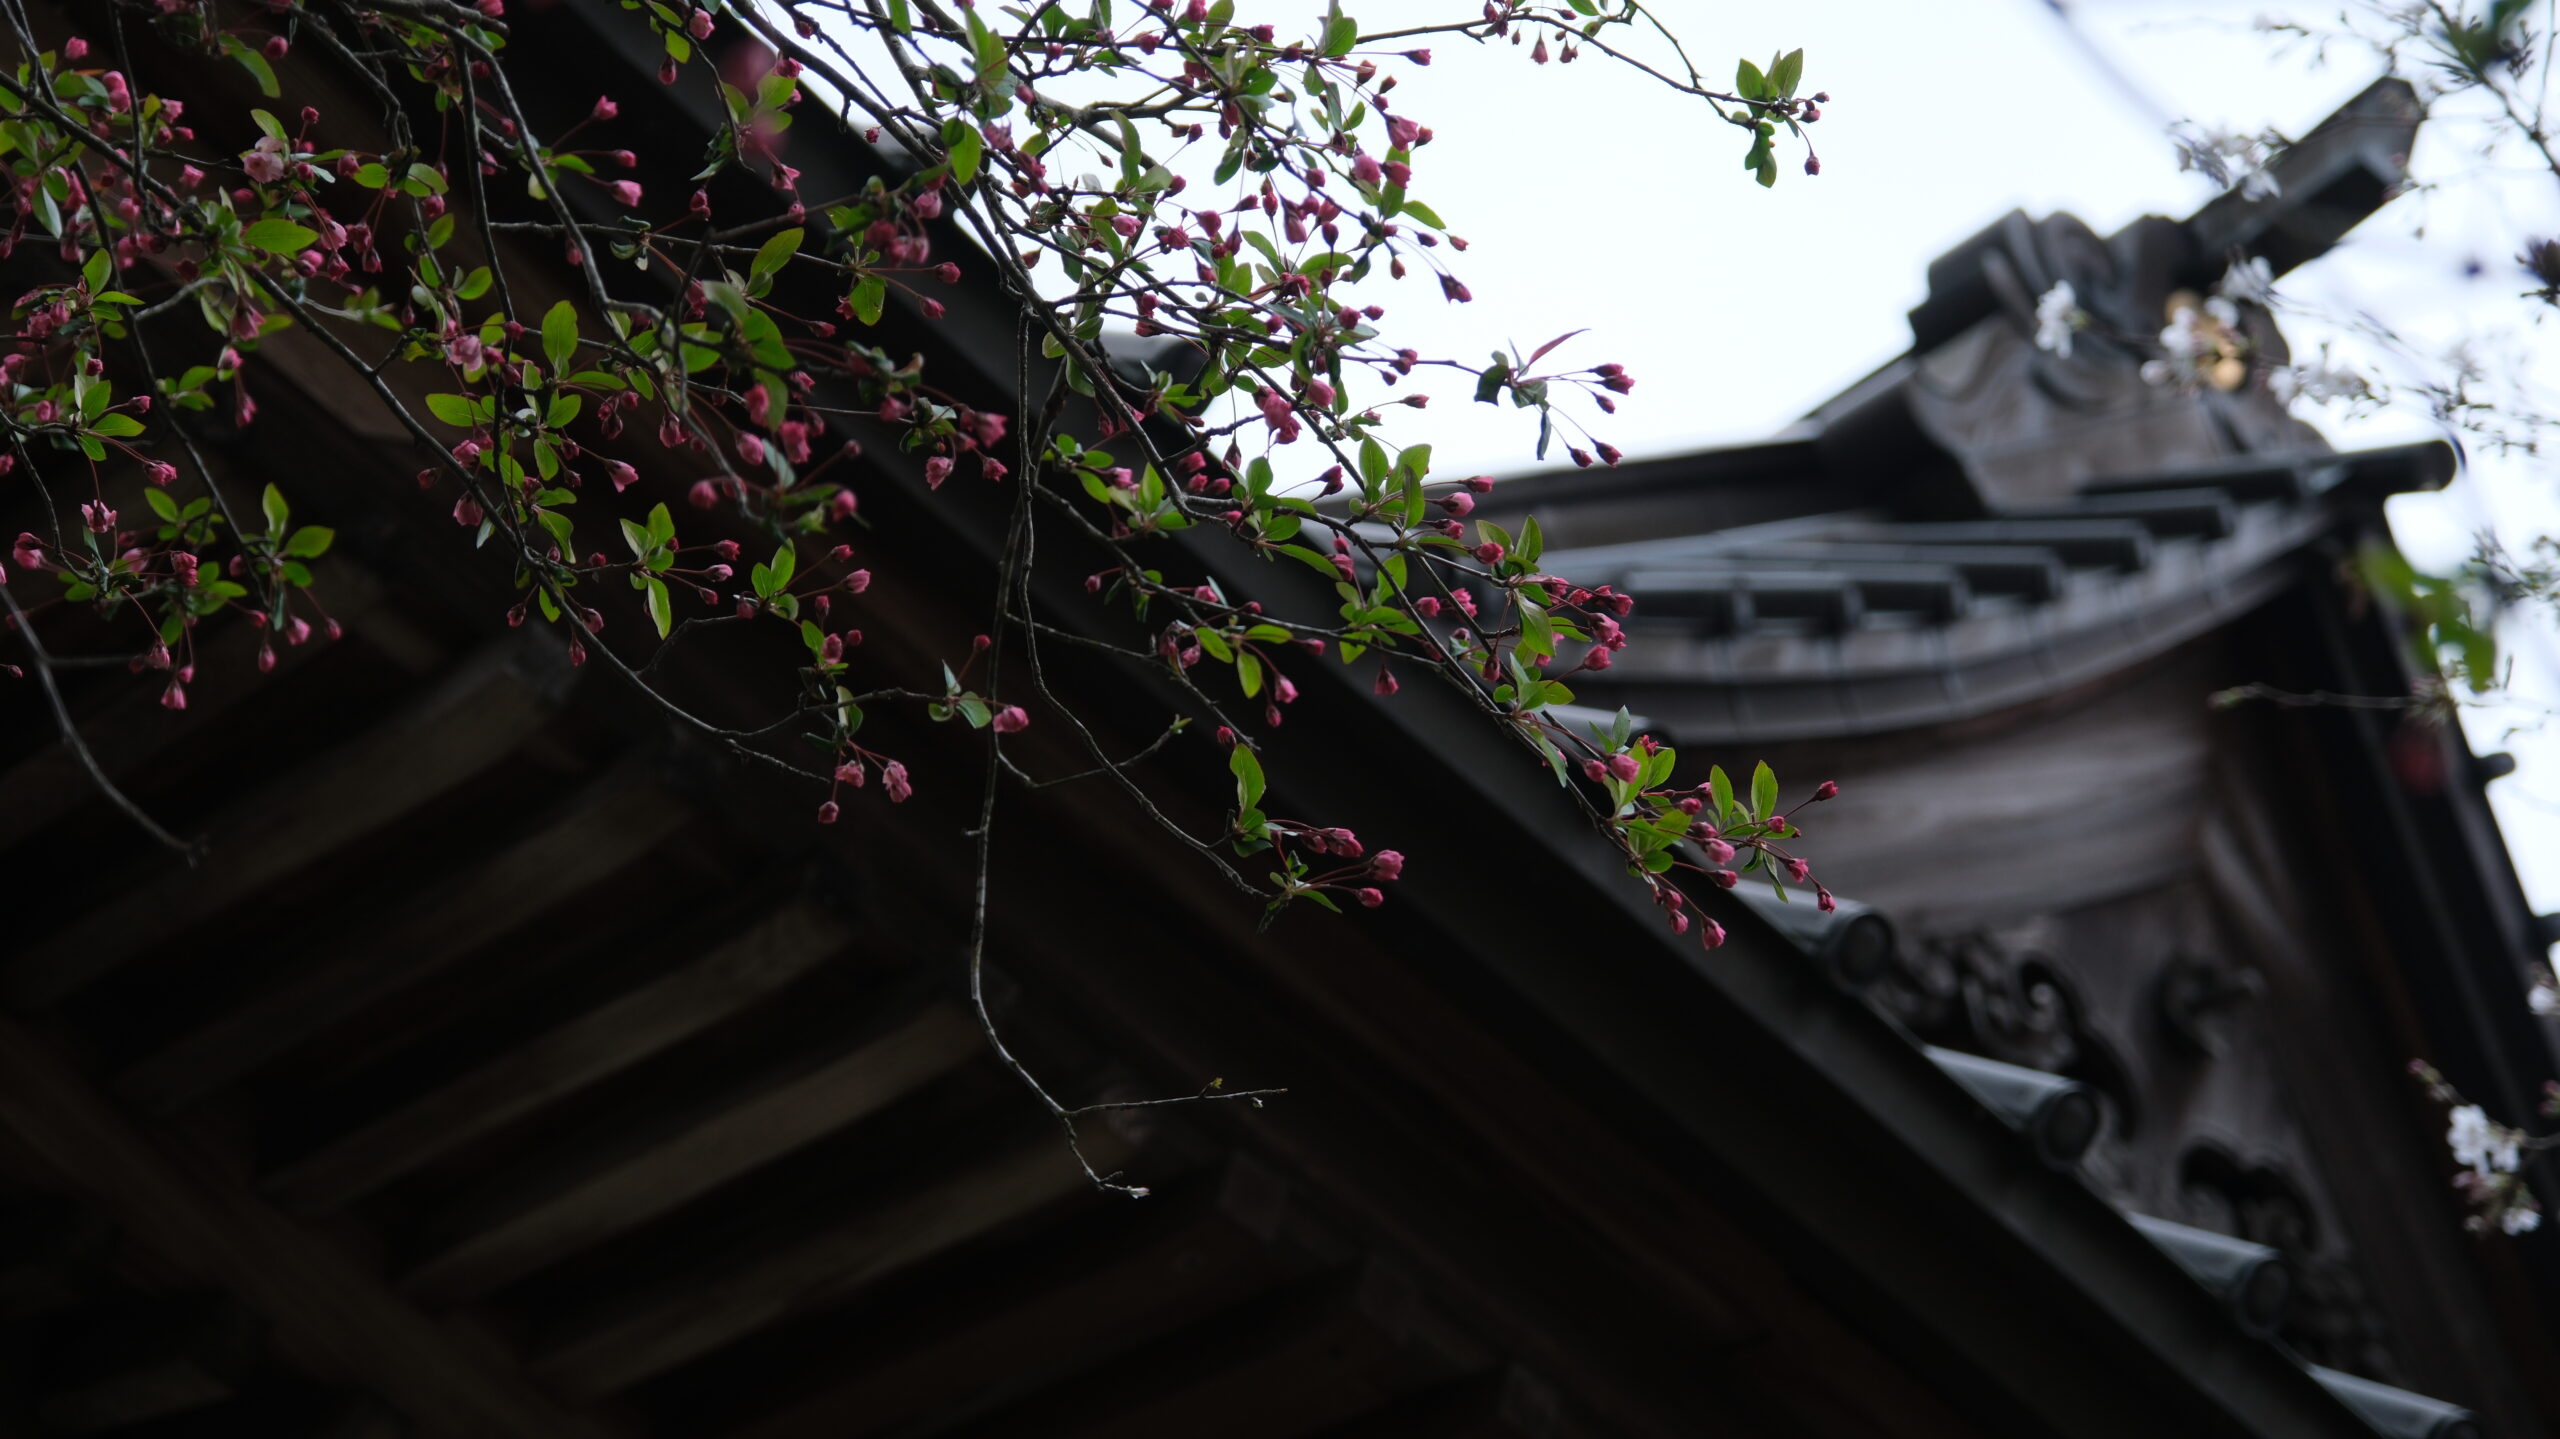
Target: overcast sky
[[1595, 201]]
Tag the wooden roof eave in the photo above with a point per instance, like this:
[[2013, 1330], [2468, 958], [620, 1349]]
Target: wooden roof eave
[[2025, 1278]]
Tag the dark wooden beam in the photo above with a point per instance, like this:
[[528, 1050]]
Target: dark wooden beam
[[327, 1314], [600, 1043], [696, 1320], [1021, 1330], [610, 823], [469, 721], [596, 1205], [131, 727]]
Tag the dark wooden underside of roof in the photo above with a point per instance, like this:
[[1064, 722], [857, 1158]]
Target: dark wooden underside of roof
[[513, 1066]]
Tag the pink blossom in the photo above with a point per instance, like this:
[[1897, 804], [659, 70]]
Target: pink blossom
[[265, 164], [1010, 720], [626, 193], [827, 812], [698, 24], [1387, 864], [466, 512], [1625, 767], [936, 470], [623, 476], [893, 778], [605, 108]]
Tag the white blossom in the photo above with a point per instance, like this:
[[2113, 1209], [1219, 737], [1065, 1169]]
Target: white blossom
[[2544, 997], [2057, 315], [2252, 280], [2185, 337], [2231, 160], [2522, 1219], [2488, 1148]]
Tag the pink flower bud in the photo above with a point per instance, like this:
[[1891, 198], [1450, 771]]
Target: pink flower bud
[[623, 476], [1825, 790], [703, 495], [626, 193], [1595, 771], [893, 778], [937, 469], [827, 812], [1387, 864], [698, 25], [1625, 767], [1010, 720], [605, 108], [1458, 503], [1713, 935], [1717, 851], [1371, 899], [1490, 552]]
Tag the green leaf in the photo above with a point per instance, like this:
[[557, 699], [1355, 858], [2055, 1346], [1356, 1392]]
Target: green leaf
[[638, 539], [160, 503], [256, 64], [1748, 82], [1720, 789], [660, 610], [455, 410], [870, 295], [1249, 674], [310, 542], [1248, 773], [775, 253], [560, 335], [662, 526], [279, 237], [101, 268], [1340, 36], [1784, 75], [786, 561], [967, 150], [1764, 791], [272, 502], [117, 427]]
